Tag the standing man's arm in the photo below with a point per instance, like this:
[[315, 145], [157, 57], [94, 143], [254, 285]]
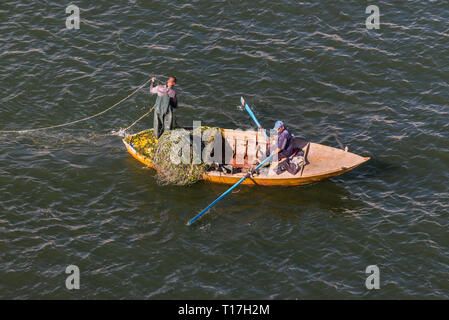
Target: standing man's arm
[[153, 89]]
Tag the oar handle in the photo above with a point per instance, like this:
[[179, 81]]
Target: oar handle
[[227, 191]]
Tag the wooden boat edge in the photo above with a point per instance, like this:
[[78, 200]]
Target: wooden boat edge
[[291, 181], [145, 160]]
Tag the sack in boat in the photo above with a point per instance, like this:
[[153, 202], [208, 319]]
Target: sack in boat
[[291, 167], [298, 160]]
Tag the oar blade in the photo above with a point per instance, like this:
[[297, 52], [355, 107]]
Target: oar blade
[[190, 222]]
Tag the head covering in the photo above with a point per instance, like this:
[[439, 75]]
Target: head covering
[[278, 124]]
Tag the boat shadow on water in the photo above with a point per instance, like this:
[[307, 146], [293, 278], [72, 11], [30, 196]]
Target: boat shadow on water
[[250, 201], [255, 198]]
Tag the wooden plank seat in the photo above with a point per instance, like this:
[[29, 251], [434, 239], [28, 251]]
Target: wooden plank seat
[[243, 148]]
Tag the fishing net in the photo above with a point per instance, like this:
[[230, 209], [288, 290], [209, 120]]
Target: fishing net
[[179, 165], [144, 143]]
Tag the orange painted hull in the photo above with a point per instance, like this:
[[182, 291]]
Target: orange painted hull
[[293, 181], [282, 180]]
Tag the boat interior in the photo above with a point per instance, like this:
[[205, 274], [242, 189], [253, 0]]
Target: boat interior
[[243, 150]]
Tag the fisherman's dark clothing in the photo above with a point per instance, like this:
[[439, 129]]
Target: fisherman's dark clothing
[[287, 165], [166, 102], [162, 89], [285, 143]]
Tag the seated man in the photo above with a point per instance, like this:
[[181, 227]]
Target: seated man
[[285, 149], [285, 141]]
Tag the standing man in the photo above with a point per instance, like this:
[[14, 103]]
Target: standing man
[[166, 102]]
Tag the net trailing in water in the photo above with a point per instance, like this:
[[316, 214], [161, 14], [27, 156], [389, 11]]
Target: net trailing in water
[[184, 168]]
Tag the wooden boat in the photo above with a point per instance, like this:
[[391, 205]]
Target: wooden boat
[[321, 162]]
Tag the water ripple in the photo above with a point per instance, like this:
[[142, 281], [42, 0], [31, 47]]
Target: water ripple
[[74, 196]]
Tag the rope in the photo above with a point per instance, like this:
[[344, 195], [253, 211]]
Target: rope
[[135, 122], [122, 132], [81, 120]]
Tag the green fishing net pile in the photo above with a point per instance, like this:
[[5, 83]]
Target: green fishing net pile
[[159, 152]]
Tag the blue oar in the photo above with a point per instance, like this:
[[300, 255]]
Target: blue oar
[[229, 190], [252, 115]]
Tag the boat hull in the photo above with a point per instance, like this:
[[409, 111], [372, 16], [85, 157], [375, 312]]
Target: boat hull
[[293, 181], [302, 178]]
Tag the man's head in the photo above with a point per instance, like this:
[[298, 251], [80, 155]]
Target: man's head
[[171, 82], [279, 126]]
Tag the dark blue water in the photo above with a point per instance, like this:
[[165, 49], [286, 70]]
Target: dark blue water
[[73, 195]]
